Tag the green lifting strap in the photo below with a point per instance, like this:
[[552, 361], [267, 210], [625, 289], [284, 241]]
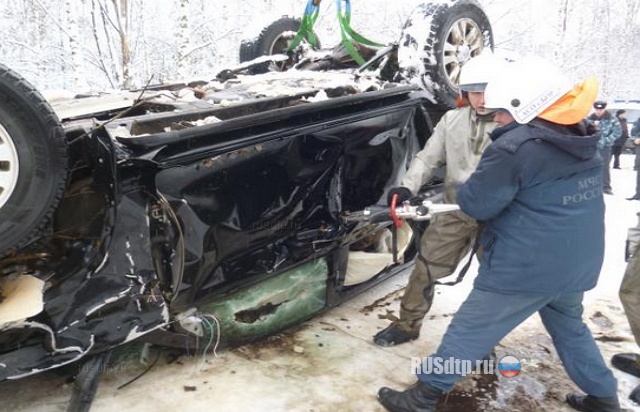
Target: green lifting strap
[[350, 36], [305, 31]]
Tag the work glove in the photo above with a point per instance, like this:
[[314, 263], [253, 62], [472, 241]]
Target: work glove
[[402, 192]]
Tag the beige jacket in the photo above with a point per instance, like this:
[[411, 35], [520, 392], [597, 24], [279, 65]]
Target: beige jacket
[[458, 141]]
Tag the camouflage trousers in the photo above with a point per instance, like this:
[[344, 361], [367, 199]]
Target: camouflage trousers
[[630, 293], [444, 244]]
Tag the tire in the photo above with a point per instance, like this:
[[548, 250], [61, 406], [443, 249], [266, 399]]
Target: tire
[[435, 60], [33, 161], [273, 39], [86, 384], [247, 51]]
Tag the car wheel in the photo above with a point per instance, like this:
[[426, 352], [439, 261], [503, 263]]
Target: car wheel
[[274, 39], [33, 161], [247, 51], [455, 32]]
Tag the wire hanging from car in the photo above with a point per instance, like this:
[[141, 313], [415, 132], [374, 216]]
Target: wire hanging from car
[[151, 365], [207, 323], [215, 347]]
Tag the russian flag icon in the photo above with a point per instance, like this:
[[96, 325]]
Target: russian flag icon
[[509, 366]]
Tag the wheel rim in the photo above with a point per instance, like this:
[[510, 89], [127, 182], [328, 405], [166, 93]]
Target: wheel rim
[[280, 45], [464, 41], [9, 166]]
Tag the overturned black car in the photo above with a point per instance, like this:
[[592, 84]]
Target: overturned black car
[[149, 214]]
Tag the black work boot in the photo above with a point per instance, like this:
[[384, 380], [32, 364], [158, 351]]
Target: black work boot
[[627, 362], [418, 398], [635, 394], [491, 356], [395, 334], [588, 403]]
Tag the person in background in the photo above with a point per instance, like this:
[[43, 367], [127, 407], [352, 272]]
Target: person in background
[[630, 298], [635, 143], [619, 143], [608, 131], [537, 189], [457, 143]]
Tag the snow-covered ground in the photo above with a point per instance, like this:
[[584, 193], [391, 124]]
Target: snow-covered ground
[[330, 363]]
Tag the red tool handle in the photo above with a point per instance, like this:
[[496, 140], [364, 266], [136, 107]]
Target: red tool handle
[[394, 215]]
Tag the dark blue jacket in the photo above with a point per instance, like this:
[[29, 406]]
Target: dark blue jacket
[[538, 189]]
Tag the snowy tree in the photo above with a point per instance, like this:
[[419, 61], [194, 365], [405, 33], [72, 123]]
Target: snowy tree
[[599, 37], [183, 39], [75, 46], [127, 43], [111, 26]]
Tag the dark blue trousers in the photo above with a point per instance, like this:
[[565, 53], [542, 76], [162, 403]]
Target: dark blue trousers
[[486, 317]]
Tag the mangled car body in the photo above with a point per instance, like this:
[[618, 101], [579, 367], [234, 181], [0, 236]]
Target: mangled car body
[[150, 214]]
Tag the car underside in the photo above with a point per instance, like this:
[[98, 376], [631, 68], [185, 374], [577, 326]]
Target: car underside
[[141, 214]]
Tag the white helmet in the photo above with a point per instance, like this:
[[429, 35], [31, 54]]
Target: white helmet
[[526, 88], [475, 74]]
